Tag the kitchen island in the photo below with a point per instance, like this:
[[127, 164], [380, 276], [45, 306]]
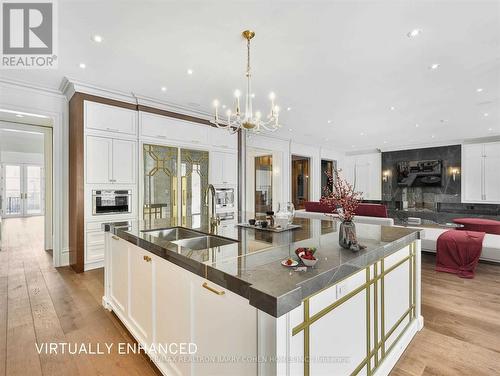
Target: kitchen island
[[228, 299]]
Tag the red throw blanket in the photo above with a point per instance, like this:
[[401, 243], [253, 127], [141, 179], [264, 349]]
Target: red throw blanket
[[458, 252]]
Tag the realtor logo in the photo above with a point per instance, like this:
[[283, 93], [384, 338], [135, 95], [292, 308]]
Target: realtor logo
[[28, 34]]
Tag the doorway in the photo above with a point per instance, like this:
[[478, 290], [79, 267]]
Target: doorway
[[263, 184], [26, 186], [300, 181]]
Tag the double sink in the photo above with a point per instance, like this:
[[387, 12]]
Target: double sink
[[193, 240]]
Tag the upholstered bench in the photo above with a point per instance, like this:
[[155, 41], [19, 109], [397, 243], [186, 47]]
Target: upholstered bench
[[488, 226], [458, 252]]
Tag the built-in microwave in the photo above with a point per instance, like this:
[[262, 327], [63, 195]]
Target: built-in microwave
[[224, 198], [107, 201]]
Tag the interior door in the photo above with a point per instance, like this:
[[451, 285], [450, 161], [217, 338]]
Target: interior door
[[492, 172]]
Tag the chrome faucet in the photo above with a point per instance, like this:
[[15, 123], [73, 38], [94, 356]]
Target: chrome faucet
[[214, 219]]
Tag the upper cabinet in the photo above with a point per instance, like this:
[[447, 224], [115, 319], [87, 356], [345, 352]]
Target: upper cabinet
[[221, 138], [364, 171], [480, 173], [223, 168], [110, 161], [102, 117], [172, 129]]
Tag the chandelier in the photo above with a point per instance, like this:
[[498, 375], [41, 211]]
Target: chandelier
[[248, 120]]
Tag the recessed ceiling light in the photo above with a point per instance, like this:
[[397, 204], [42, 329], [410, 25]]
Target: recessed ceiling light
[[224, 106], [392, 108], [352, 146], [385, 142], [82, 65], [432, 136], [362, 134], [19, 115], [434, 66], [97, 38], [414, 33], [290, 129], [289, 108], [479, 89], [417, 125], [329, 121], [490, 129], [190, 71], [486, 114], [163, 88]]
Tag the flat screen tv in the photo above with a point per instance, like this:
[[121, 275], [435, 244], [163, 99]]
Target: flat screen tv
[[420, 173]]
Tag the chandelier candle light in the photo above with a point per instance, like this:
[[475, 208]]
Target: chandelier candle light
[[249, 120]]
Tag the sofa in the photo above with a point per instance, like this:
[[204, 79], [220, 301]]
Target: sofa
[[372, 214], [491, 242]]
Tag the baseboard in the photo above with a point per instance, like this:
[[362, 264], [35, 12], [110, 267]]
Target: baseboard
[[94, 265], [64, 258]]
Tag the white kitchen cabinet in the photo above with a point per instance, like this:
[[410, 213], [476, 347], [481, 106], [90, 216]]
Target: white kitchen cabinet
[[472, 172], [103, 117], [124, 161], [110, 161], [223, 323], [119, 268], [140, 310], [172, 129], [492, 172], [98, 159], [480, 173], [173, 302], [221, 138], [223, 168]]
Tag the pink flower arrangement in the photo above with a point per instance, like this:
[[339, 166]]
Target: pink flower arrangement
[[342, 195]]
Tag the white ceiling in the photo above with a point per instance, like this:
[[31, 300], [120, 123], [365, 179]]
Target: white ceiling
[[344, 61]]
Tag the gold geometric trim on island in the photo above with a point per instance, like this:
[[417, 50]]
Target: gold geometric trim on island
[[379, 344]]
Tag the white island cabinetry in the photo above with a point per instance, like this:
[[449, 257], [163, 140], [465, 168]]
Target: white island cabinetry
[[358, 326]]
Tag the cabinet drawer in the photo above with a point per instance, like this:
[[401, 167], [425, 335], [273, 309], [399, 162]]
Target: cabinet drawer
[[165, 128], [110, 118], [223, 139], [94, 252], [95, 238]]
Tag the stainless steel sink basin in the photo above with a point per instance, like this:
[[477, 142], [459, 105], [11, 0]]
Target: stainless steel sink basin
[[174, 233], [203, 242]]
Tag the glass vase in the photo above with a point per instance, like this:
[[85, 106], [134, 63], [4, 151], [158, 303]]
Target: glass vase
[[347, 235]]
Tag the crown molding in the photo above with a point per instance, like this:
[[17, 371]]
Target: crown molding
[[70, 86], [143, 100], [30, 86]]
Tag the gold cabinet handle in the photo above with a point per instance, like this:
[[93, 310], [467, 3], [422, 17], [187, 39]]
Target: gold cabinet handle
[[115, 237], [205, 285], [147, 258]]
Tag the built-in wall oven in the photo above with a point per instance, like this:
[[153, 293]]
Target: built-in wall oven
[[107, 201]]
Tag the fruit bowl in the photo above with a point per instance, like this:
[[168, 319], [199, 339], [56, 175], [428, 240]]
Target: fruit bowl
[[309, 261], [306, 255]]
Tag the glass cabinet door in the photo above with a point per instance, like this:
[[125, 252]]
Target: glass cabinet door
[[160, 183], [194, 181]]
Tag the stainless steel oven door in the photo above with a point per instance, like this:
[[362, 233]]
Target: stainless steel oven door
[[106, 202]]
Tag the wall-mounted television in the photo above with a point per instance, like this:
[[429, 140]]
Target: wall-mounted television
[[427, 173]]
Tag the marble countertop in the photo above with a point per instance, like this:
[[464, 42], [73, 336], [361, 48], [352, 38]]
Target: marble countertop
[[252, 267]]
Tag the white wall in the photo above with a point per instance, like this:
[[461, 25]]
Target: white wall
[[24, 97]]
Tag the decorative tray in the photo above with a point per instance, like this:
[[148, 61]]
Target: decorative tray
[[271, 229]]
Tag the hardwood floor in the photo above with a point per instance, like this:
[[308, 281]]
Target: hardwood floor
[[39, 303], [461, 334]]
